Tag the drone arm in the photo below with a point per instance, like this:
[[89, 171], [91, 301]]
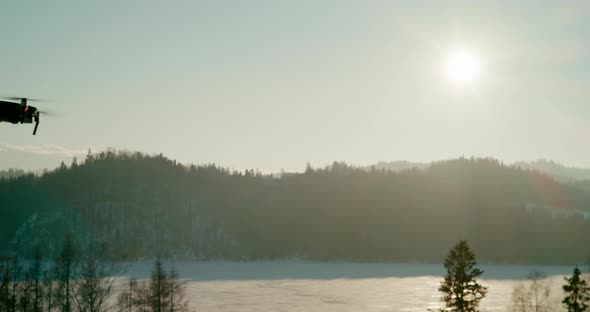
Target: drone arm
[[36, 125]]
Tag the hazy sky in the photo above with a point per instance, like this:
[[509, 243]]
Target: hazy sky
[[275, 84]]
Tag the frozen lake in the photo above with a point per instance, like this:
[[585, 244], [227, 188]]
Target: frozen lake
[[337, 286]]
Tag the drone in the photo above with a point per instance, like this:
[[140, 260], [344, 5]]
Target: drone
[[20, 112]]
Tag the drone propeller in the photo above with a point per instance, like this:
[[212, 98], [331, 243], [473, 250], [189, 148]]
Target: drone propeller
[[46, 113], [16, 98]]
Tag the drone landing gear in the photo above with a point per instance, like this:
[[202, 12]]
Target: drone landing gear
[[36, 125]]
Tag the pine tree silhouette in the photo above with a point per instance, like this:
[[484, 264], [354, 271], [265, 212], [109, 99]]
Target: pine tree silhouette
[[462, 292], [578, 293]]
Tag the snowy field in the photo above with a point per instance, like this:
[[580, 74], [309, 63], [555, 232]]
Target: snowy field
[[336, 286]]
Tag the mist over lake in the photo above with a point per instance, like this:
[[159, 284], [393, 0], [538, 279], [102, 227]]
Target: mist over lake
[[225, 286]]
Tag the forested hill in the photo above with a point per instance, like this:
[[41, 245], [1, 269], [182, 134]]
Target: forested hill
[[142, 205]]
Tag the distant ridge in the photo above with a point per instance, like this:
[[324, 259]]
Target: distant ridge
[[556, 170], [398, 165], [551, 168]]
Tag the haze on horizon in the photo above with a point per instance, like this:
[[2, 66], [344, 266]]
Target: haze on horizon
[[274, 85]]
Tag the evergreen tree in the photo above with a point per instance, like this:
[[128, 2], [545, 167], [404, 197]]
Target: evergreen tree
[[462, 292], [578, 293]]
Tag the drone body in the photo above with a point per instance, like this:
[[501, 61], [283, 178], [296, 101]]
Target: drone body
[[15, 112]]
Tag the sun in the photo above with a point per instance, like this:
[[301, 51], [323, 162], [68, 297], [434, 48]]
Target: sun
[[463, 67]]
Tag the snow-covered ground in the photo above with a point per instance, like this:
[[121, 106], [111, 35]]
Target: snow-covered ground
[[335, 286]]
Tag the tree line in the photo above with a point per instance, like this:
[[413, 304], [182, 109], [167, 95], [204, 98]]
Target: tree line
[[147, 205], [78, 280], [11, 173]]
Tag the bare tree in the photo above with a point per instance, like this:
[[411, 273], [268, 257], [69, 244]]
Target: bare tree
[[5, 283], [138, 297], [93, 283], [63, 271], [520, 299], [159, 290], [49, 291], [35, 273], [25, 293], [178, 302], [142, 297], [15, 271], [532, 296], [125, 302], [163, 292]]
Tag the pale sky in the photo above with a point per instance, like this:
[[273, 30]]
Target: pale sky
[[276, 84]]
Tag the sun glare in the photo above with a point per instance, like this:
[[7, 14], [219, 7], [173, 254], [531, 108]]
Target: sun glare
[[463, 67]]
